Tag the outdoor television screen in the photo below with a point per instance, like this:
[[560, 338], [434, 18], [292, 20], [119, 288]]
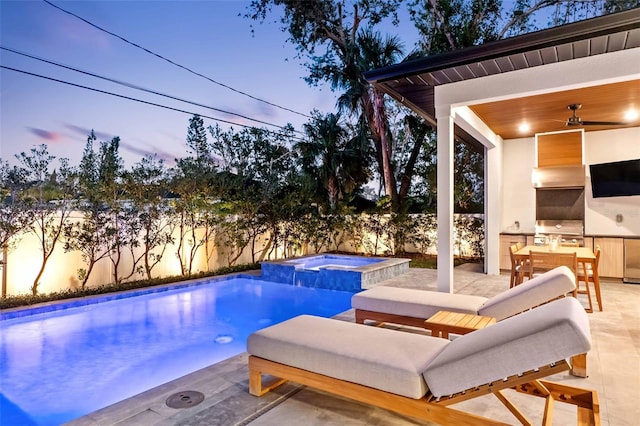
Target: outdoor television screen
[[617, 179]]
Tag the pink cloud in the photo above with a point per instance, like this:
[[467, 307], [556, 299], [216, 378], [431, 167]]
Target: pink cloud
[[46, 135]]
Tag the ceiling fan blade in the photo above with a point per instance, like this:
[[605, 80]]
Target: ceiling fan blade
[[603, 123]]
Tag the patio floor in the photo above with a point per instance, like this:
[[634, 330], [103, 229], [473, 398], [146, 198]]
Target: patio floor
[[613, 368]]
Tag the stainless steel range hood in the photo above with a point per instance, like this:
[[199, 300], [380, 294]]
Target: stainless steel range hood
[[558, 177]]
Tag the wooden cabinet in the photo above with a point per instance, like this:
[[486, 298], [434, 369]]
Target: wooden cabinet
[[611, 256], [559, 148], [507, 240], [588, 242]]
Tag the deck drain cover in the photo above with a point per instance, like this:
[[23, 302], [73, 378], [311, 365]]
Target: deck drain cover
[[185, 399]]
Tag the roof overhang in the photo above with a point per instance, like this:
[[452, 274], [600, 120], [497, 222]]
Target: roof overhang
[[413, 82]]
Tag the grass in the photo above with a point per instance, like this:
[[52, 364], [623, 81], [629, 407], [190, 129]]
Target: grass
[[431, 261]]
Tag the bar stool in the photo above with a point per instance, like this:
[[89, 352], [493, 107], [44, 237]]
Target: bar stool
[[588, 272]]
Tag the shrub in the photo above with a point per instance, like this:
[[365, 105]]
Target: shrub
[[26, 300]]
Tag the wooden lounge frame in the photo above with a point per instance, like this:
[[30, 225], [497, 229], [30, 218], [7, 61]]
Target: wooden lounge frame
[[362, 315], [433, 409]]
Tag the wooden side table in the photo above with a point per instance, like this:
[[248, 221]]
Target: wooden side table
[[444, 322]]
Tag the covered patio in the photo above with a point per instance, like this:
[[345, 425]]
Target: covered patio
[[490, 91]]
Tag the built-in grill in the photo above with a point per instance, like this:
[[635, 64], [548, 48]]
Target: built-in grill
[[571, 231], [559, 182]]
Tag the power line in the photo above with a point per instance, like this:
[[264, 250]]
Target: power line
[[133, 86], [174, 63], [140, 100]]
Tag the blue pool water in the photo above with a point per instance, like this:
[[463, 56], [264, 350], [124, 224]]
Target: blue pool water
[[60, 365], [324, 261]]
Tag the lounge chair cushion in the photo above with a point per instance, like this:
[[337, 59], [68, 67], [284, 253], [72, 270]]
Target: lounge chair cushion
[[384, 359], [414, 303], [423, 304], [541, 289], [538, 337]]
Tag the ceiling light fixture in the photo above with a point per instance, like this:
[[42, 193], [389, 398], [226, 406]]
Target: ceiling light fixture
[[524, 127], [631, 115]]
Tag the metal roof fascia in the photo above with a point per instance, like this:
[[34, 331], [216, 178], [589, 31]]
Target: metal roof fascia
[[581, 30]]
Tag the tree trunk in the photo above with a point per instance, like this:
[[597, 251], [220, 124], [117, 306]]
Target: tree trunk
[[86, 277], [373, 105]]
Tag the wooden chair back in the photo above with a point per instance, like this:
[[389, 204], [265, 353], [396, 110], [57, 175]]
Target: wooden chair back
[[544, 261], [516, 266], [570, 244], [588, 273]]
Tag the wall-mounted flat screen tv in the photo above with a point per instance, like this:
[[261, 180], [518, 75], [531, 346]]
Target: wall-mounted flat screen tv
[[617, 179]]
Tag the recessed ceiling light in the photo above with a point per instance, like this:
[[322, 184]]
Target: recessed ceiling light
[[631, 115], [524, 127]]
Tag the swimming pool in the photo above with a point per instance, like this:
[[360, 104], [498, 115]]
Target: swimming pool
[[62, 364]]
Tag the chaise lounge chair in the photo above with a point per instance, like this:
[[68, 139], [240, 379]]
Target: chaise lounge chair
[[412, 307], [422, 376]]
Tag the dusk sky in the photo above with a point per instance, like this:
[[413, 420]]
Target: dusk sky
[[208, 37]]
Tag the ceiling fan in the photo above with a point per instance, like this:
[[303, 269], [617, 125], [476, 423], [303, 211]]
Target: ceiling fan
[[574, 120]]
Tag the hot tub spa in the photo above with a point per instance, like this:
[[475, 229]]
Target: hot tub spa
[[333, 271]]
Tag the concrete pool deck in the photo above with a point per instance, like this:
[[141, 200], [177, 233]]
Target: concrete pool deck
[[613, 368]]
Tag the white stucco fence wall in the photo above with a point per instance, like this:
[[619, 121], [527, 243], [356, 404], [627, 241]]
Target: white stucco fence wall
[[61, 273]]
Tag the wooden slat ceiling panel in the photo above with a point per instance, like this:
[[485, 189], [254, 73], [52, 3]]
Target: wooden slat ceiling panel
[[548, 113]]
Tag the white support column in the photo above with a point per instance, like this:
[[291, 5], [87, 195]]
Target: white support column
[[445, 198], [492, 210]]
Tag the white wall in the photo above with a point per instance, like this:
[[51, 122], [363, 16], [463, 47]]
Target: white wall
[[519, 196], [61, 272], [600, 213]]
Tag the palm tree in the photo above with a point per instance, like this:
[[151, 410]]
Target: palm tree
[[340, 51], [368, 51], [332, 156]]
